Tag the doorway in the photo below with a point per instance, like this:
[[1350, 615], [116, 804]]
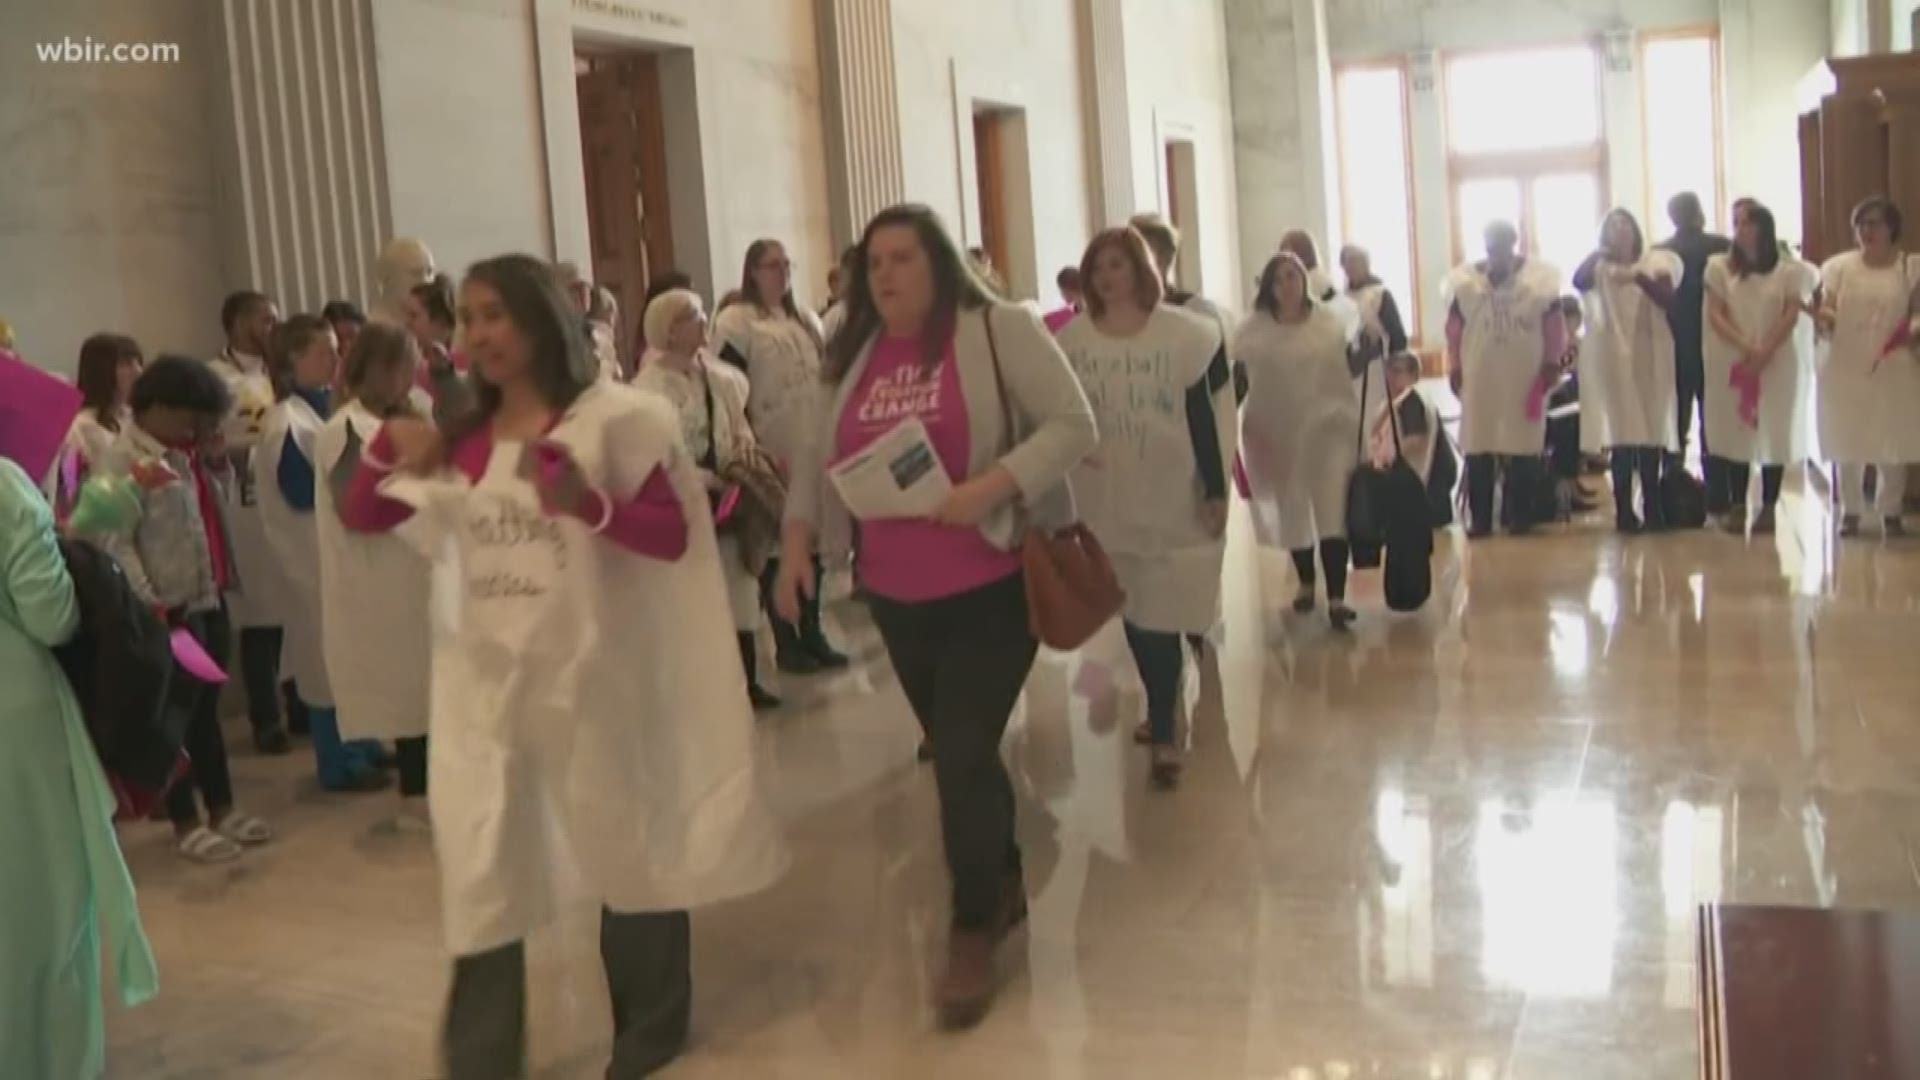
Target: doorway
[[1183, 210], [623, 145], [1003, 182]]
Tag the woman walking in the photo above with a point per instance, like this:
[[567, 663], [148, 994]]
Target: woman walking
[[777, 342], [1303, 437], [1151, 373], [711, 402], [925, 340]]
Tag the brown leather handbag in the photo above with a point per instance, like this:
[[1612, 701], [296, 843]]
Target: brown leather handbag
[[1072, 590]]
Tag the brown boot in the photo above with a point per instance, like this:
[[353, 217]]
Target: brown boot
[[966, 988]]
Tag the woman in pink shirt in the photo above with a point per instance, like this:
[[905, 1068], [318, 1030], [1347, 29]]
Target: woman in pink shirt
[[925, 340]]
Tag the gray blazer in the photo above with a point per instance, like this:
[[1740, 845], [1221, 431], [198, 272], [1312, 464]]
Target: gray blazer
[[1055, 428]]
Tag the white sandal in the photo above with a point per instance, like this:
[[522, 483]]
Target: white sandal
[[245, 829], [205, 846]]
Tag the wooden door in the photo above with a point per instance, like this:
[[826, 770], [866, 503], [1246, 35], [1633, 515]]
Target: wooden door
[[991, 174], [623, 146]]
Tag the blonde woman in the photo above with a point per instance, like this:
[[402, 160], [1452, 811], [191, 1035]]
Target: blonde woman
[[711, 400]]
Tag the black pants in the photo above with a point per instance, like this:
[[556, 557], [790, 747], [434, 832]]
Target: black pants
[[205, 744], [410, 757], [260, 674], [1739, 474], [962, 661], [1627, 462], [789, 638], [649, 962], [1161, 658], [1334, 557], [1517, 477]]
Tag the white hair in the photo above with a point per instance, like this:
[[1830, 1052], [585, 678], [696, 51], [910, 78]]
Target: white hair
[[667, 309]]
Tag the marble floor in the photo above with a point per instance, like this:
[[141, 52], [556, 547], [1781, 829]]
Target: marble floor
[[1461, 845]]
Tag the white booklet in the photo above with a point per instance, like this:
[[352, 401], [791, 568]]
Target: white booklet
[[898, 476]]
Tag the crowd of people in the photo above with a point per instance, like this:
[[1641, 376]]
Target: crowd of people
[[478, 540]]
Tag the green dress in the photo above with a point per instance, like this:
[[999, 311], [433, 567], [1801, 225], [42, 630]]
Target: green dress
[[62, 879]]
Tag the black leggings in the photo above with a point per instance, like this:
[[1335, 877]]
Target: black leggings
[[1644, 460], [1334, 556], [1161, 658], [205, 744], [1516, 475], [260, 673], [1739, 475], [962, 661]]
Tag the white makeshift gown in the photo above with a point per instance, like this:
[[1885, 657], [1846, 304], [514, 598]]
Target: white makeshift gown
[[1302, 438], [1140, 492], [1502, 345], [1628, 396], [293, 539], [375, 596], [582, 723], [1867, 402], [257, 598], [781, 355], [1365, 303], [1784, 433]]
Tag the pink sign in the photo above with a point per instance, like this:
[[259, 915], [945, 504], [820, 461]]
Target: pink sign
[[36, 409]]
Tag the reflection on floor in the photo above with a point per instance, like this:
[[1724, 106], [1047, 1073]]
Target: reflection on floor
[[1465, 844]]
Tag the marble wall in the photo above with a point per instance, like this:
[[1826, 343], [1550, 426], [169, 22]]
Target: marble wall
[[1278, 133], [110, 206]]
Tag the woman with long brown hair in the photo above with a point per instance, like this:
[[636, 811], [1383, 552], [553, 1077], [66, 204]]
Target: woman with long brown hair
[[581, 730], [926, 341], [1153, 374], [777, 341], [109, 364]]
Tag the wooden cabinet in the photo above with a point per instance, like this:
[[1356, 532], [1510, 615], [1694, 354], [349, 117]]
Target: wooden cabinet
[[1863, 140]]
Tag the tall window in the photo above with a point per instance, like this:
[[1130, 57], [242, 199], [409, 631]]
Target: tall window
[[1376, 178], [1679, 89], [1526, 145]]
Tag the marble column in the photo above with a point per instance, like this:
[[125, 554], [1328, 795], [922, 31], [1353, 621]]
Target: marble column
[[305, 159], [1284, 142], [1620, 113], [1109, 114], [1432, 200], [860, 102]]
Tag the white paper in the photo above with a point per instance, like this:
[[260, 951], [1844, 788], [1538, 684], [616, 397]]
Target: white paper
[[899, 476]]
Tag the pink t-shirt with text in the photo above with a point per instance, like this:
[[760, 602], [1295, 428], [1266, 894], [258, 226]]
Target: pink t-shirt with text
[[912, 560]]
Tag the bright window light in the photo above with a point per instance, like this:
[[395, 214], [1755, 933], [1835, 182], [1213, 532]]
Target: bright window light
[[1678, 83], [1376, 178], [1535, 99]]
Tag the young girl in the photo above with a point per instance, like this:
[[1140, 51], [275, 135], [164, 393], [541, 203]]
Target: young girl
[[302, 359], [374, 589], [578, 719], [178, 557], [777, 343]]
